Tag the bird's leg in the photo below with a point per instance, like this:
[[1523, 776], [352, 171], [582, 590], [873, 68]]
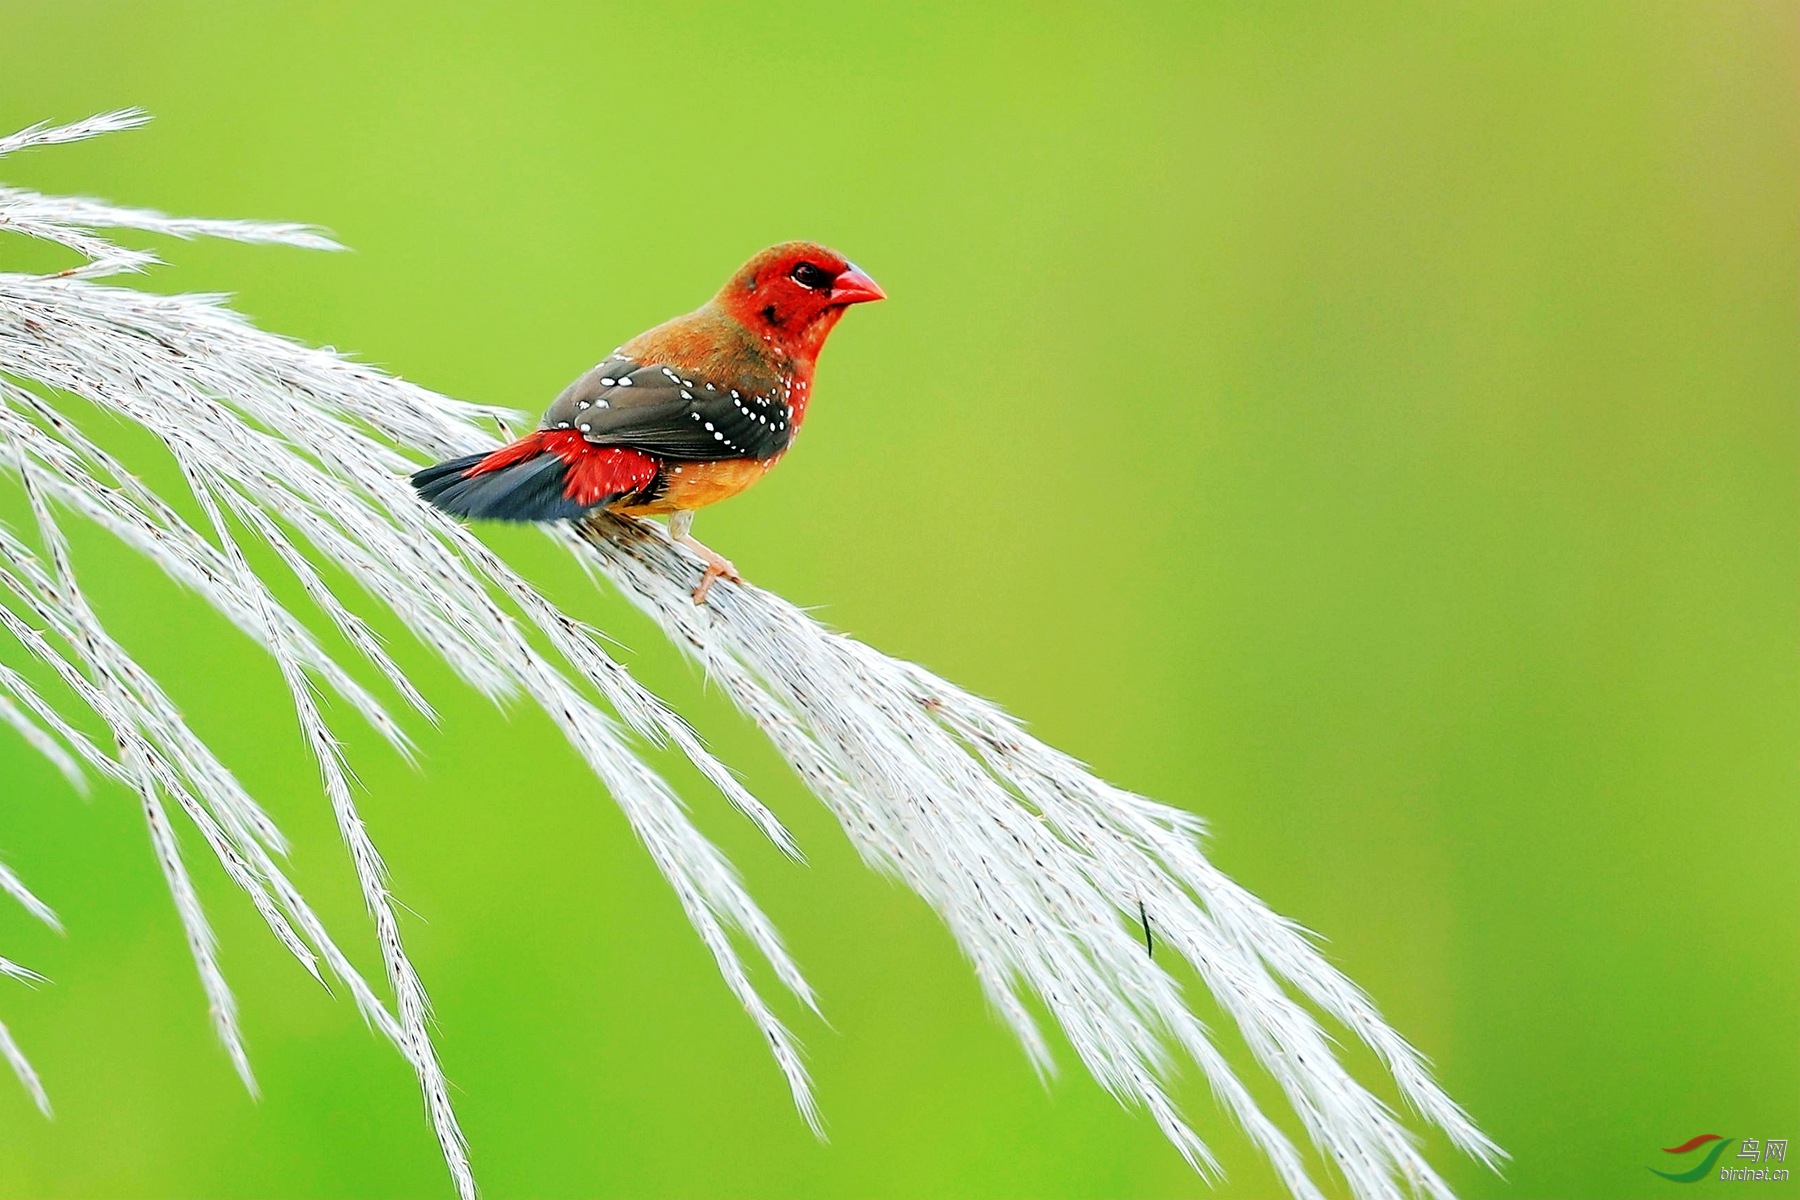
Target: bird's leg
[[717, 566]]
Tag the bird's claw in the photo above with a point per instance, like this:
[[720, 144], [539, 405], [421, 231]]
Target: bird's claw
[[716, 569]]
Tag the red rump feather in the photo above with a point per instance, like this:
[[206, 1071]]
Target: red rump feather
[[598, 472], [595, 473]]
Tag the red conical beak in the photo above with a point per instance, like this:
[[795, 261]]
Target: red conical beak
[[854, 287]]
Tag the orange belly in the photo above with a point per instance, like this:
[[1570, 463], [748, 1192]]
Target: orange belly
[[696, 485]]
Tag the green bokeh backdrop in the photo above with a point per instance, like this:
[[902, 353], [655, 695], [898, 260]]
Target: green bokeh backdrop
[[1372, 427]]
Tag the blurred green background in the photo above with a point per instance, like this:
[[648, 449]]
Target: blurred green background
[[1372, 427]]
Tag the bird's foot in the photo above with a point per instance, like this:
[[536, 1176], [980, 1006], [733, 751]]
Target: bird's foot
[[717, 567]]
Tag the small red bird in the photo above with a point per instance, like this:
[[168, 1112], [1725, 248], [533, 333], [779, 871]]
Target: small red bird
[[681, 416]]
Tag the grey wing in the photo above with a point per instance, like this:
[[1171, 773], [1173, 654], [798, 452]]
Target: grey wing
[[658, 410]]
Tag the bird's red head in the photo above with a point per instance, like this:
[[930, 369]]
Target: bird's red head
[[792, 294]]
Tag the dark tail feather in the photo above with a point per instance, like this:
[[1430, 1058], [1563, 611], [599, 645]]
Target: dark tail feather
[[530, 489]]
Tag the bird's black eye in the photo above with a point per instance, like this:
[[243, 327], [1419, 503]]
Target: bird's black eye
[[810, 275]]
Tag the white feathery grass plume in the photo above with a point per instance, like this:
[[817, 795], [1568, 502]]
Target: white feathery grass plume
[[1041, 871], [293, 444], [13, 886], [1047, 878], [66, 219], [21, 1066], [45, 134]]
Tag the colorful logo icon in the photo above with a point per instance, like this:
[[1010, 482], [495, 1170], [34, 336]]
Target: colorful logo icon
[[1688, 1147]]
